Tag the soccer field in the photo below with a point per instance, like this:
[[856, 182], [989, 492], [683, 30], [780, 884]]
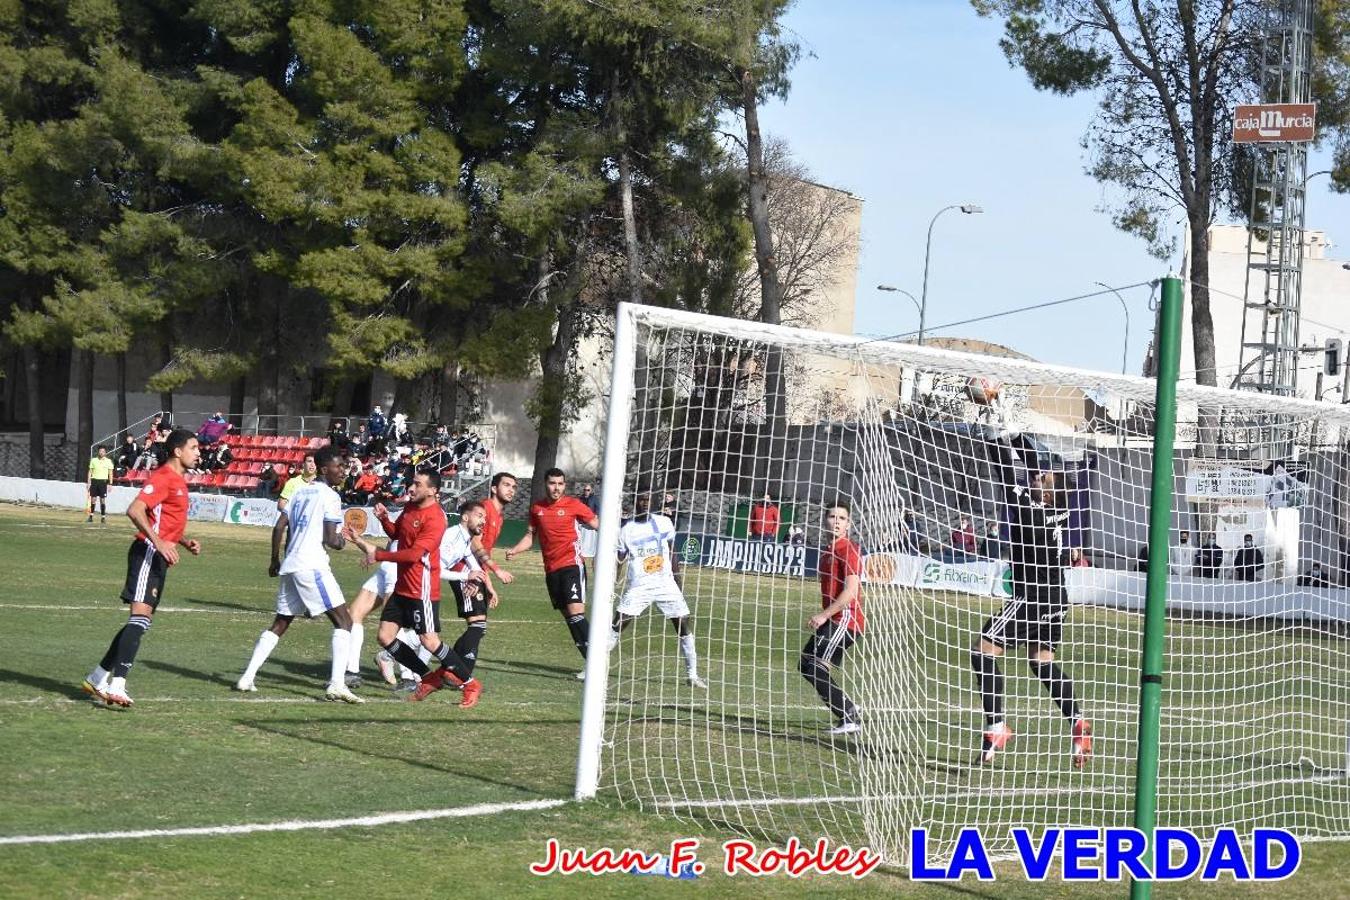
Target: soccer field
[[195, 754]]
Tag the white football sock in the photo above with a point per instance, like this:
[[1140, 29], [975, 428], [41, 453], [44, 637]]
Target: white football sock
[[267, 642], [342, 639], [690, 657], [118, 686], [358, 633], [613, 638], [99, 677]]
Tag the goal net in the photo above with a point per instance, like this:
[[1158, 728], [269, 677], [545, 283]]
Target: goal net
[[713, 416]]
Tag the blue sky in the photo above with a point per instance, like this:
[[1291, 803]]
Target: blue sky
[[911, 105]]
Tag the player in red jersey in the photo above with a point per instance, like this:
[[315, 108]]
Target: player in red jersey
[[555, 520], [840, 621], [159, 513], [415, 602], [473, 598]]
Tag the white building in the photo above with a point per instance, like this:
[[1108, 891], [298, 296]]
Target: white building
[[1325, 306]]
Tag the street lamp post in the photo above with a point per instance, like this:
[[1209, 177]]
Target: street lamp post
[[895, 290], [969, 209], [1125, 353]]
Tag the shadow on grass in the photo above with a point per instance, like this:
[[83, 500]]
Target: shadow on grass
[[293, 729], [69, 689], [536, 670], [222, 604]]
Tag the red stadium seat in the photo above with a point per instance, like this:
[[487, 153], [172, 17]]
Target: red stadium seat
[[218, 478], [280, 469], [255, 469], [287, 442], [316, 442], [237, 467], [250, 484]]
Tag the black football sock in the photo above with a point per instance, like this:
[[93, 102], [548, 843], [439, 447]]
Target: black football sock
[[407, 656], [110, 658], [467, 645], [452, 662], [129, 644], [817, 671], [990, 681], [580, 630], [1059, 685]]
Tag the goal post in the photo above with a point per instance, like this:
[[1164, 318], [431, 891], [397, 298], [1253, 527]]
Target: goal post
[[926, 449]]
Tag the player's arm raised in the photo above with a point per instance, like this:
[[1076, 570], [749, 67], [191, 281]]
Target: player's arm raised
[[427, 543], [382, 516], [139, 513]]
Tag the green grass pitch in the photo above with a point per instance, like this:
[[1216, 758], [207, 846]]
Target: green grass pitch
[[194, 753]]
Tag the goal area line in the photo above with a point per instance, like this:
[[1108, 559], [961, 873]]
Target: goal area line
[[482, 809]]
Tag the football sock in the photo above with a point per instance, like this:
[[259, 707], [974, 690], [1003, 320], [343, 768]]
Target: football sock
[[990, 682], [453, 663], [405, 655], [579, 629], [110, 656], [129, 644], [1059, 685], [341, 640], [98, 676], [690, 657], [467, 645], [267, 642], [817, 672], [358, 637]]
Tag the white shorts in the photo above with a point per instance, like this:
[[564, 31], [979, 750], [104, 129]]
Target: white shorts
[[381, 584], [311, 593], [668, 599]]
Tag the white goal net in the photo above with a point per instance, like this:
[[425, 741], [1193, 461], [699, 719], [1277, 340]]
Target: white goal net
[[746, 437]]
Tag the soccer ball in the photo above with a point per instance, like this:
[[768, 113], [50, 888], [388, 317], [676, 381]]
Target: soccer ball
[[983, 390]]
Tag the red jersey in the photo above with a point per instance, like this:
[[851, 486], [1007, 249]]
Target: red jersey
[[764, 520], [418, 531], [165, 496], [492, 525], [555, 523], [842, 559]]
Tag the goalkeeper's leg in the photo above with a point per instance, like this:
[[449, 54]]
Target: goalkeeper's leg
[[1060, 688]]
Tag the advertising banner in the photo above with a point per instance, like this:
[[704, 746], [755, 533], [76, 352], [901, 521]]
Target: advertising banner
[[740, 555]]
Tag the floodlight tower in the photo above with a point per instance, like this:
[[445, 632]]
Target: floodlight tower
[[1275, 233]]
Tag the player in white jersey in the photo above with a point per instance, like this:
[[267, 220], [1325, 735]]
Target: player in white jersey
[[461, 565], [314, 520], [648, 541]]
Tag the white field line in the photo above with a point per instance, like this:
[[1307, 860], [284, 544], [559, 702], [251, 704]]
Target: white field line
[[118, 606], [482, 809]]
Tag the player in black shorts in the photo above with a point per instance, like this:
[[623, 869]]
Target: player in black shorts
[[566, 586], [1035, 614]]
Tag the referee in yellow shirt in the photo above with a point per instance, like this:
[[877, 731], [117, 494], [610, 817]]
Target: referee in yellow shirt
[[100, 476]]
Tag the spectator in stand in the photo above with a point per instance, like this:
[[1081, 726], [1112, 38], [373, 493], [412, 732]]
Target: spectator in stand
[[1182, 560], [364, 488], [669, 506], [397, 433], [267, 482], [219, 457], [591, 499], [153, 433], [459, 444], [126, 455], [1250, 562], [764, 519], [1209, 561], [148, 457], [1141, 558], [963, 538], [441, 438], [358, 444], [212, 430], [377, 423], [1314, 577], [915, 536], [337, 436], [796, 536], [1077, 560], [993, 541]]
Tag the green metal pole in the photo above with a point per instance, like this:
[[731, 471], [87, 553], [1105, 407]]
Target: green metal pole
[[1155, 598]]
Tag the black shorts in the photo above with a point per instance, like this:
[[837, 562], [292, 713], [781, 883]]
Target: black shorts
[[829, 643], [98, 487], [566, 586], [146, 568], [471, 598], [422, 616], [1036, 619]]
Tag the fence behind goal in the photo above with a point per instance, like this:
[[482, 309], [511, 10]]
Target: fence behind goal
[[716, 413]]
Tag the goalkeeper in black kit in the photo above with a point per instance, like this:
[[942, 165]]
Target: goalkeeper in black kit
[[1035, 614]]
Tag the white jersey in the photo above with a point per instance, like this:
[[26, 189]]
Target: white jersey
[[649, 544], [309, 508], [455, 549]]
